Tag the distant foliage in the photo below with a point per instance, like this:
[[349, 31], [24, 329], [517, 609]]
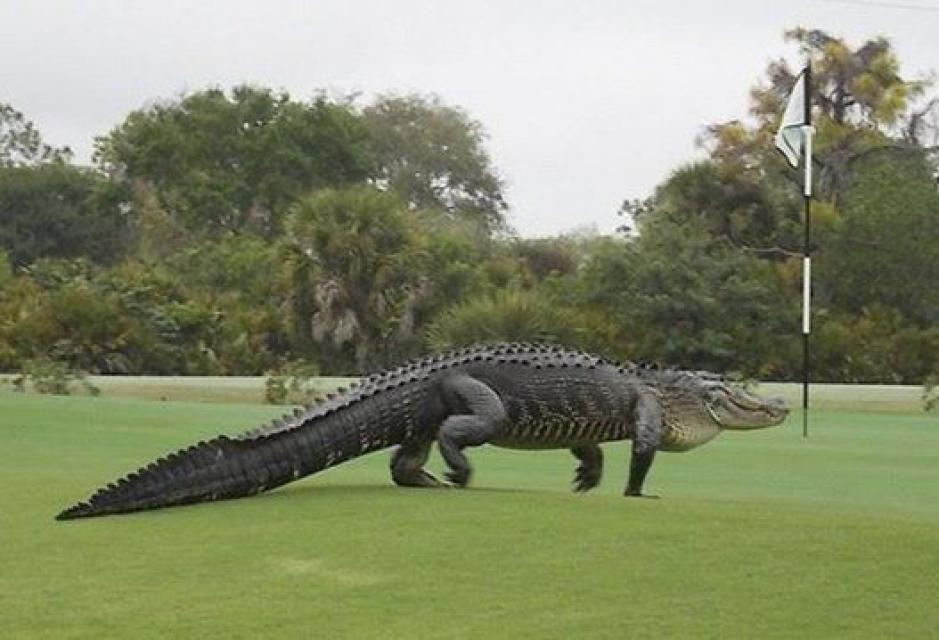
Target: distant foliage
[[547, 257], [243, 231], [884, 247], [434, 157], [506, 315], [45, 375], [679, 295], [128, 320], [931, 393], [878, 345], [21, 144], [60, 211], [236, 161], [239, 279], [291, 383], [358, 264]]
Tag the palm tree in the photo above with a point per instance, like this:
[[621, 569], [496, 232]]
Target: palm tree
[[357, 274]]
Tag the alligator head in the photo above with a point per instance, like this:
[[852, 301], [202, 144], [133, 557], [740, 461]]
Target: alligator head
[[698, 406], [733, 407]]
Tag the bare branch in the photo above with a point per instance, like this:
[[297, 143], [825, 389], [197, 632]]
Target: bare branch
[[772, 251]]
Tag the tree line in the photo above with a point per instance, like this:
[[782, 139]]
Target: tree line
[[244, 231]]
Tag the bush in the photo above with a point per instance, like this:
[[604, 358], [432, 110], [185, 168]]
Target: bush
[[292, 383], [508, 315], [931, 393], [52, 377], [873, 347]]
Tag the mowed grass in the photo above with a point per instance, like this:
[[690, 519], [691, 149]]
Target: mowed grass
[[757, 535]]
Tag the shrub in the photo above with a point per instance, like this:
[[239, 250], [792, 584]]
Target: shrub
[[508, 315], [931, 393], [52, 377], [291, 383]]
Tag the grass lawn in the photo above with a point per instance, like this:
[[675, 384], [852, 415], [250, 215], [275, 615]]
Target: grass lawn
[[757, 535]]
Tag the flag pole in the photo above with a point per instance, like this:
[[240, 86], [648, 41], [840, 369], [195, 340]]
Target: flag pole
[[807, 252]]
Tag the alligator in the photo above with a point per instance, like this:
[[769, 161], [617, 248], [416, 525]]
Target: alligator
[[519, 395]]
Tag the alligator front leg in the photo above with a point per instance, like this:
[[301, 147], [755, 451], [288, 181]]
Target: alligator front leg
[[590, 471], [407, 465], [483, 417], [649, 429]]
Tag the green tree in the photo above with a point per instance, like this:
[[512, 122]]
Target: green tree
[[360, 254], [546, 257], [238, 278], [681, 296], [6, 269], [863, 107], [433, 155], [21, 144], [132, 318], [745, 209], [885, 247], [58, 210], [236, 161]]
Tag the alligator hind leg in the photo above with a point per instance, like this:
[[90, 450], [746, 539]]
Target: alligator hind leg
[[407, 465], [590, 471], [482, 417]]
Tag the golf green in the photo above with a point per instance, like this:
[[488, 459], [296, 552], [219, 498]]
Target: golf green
[[757, 534]]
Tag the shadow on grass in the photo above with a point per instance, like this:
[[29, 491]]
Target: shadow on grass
[[332, 492], [377, 489]]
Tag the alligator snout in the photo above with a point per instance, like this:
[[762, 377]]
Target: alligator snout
[[778, 406]]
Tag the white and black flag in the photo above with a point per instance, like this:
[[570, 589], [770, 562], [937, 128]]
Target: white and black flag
[[790, 139]]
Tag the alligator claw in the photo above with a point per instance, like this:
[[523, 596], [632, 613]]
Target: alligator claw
[[585, 479], [430, 480], [458, 478]]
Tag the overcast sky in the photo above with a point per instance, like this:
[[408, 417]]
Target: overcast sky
[[586, 103]]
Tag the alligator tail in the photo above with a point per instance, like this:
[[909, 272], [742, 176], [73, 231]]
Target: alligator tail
[[224, 467]]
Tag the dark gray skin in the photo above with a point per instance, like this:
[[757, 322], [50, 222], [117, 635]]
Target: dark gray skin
[[514, 395]]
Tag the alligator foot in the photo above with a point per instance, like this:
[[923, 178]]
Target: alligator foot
[[420, 479], [458, 477], [407, 466], [630, 494], [590, 470], [427, 479], [586, 478]]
